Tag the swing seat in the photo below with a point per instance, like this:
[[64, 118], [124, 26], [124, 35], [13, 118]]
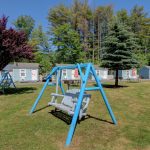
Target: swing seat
[[69, 101]]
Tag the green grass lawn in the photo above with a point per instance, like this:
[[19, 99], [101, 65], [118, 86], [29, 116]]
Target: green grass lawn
[[43, 131]]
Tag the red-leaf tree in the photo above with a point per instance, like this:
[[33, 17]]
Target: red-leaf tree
[[13, 44]]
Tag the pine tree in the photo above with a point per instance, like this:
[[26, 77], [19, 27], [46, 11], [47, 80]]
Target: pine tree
[[118, 49], [123, 17]]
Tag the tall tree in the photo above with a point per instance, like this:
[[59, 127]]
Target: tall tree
[[39, 40], [136, 18], [25, 23], [92, 25], [103, 15], [118, 50], [68, 42], [46, 62], [13, 44], [78, 16], [81, 17], [140, 24], [123, 17], [58, 16]]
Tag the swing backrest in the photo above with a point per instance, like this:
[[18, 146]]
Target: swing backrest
[[69, 97]]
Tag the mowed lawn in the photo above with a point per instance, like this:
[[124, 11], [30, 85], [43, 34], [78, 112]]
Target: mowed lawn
[[44, 131]]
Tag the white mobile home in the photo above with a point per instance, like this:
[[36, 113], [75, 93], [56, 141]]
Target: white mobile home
[[73, 74], [69, 74], [102, 73], [128, 74]]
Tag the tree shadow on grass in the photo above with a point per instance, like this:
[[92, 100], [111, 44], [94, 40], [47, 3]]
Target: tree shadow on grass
[[67, 119], [99, 119], [41, 108], [112, 86], [18, 90], [62, 116]]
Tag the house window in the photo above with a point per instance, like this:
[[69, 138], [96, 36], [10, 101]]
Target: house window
[[64, 72], [98, 72], [111, 72], [22, 72]]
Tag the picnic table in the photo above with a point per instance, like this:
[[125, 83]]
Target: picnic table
[[72, 82]]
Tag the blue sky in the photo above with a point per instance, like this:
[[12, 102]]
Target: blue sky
[[38, 9]]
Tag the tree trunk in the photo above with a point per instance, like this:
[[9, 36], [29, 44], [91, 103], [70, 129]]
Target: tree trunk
[[116, 79]]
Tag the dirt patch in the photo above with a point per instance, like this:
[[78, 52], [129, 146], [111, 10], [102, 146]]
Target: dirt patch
[[74, 145]]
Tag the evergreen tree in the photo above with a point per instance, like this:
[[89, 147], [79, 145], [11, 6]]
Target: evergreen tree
[[118, 50], [123, 17]]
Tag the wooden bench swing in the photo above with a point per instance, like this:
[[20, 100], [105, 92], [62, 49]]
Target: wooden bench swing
[[74, 101], [69, 101]]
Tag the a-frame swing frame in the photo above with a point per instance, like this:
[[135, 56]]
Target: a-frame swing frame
[[89, 69], [6, 81]]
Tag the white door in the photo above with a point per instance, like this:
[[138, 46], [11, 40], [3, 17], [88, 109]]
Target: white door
[[105, 75], [72, 74], [34, 75]]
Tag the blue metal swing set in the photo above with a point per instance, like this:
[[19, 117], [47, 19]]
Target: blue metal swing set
[[84, 70], [6, 81]]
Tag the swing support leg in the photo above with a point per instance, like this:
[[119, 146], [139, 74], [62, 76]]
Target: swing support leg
[[43, 89], [104, 97], [39, 96], [77, 109], [60, 83]]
